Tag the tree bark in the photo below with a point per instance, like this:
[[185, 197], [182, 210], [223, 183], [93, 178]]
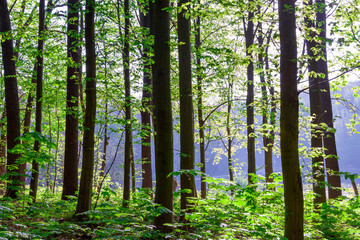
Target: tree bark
[[39, 86], [271, 138], [187, 146], [71, 160], [331, 161], [106, 141], [2, 150], [265, 108], [146, 101], [229, 138], [315, 112], [30, 99], [27, 118], [200, 105], [249, 40], [128, 157], [11, 102], [163, 115], [86, 180], [289, 123]]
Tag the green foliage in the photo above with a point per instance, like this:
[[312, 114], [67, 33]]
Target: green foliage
[[250, 213]]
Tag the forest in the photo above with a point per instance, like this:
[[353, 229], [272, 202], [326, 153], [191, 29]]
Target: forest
[[159, 119]]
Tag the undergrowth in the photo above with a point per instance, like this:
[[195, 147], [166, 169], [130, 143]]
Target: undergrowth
[[248, 213]]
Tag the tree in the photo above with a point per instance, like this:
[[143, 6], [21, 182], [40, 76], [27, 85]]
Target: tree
[[162, 114], [30, 99], [263, 66], [187, 146], [271, 138], [128, 153], [315, 111], [289, 117], [249, 41], [71, 159], [229, 136], [200, 104], [39, 95], [146, 99], [2, 150], [11, 101], [87, 170], [331, 161]]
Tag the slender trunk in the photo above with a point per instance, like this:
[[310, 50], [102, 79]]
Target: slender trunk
[[106, 142], [86, 180], [332, 164], [71, 160], [56, 149], [146, 101], [48, 170], [27, 118], [228, 136], [356, 192], [106, 138], [2, 150], [230, 139], [81, 90], [128, 136], [200, 105], [265, 109], [163, 115], [249, 40], [107, 172], [187, 146], [39, 86], [270, 142], [97, 153], [11, 101], [289, 123], [30, 99], [133, 173], [315, 111]]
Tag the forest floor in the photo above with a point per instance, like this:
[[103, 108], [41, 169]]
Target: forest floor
[[251, 213]]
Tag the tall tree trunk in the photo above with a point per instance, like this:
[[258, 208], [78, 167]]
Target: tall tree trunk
[[48, 169], [56, 148], [265, 108], [146, 101], [81, 90], [200, 105], [163, 115], [27, 118], [2, 150], [315, 111], [39, 86], [30, 99], [106, 140], [128, 135], [87, 170], [71, 160], [289, 123], [332, 164], [11, 101], [187, 146], [249, 40], [106, 120], [271, 138], [229, 138], [133, 173]]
